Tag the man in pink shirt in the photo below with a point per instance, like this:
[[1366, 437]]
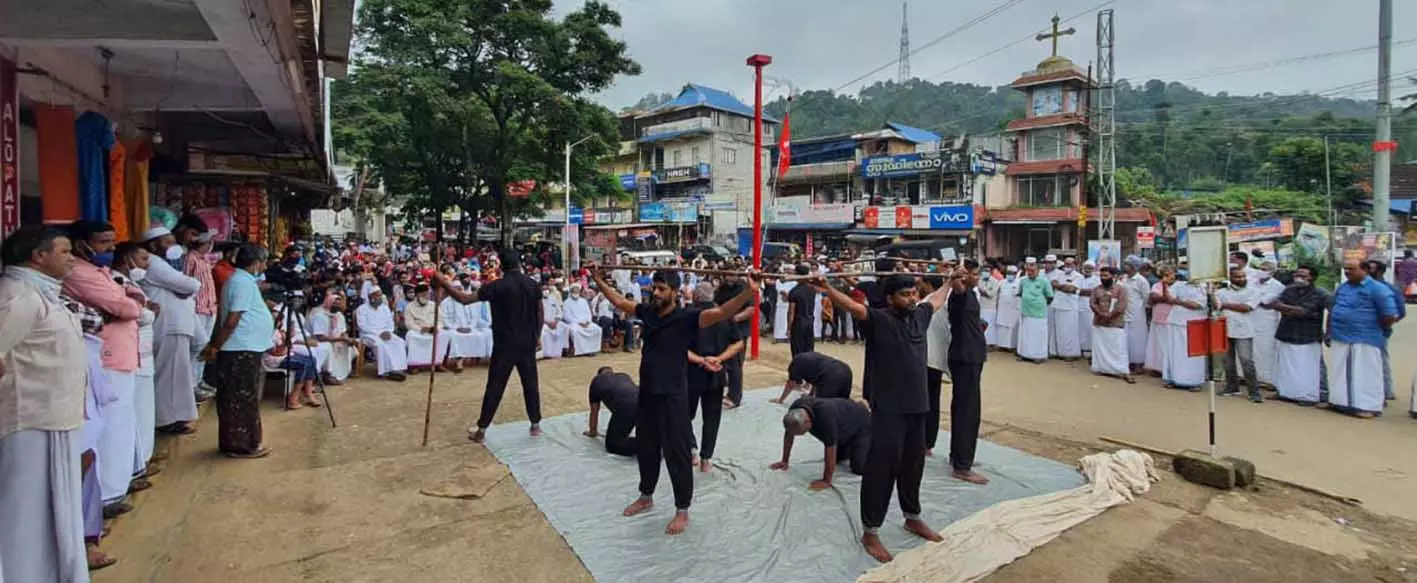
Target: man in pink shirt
[[92, 284], [196, 266]]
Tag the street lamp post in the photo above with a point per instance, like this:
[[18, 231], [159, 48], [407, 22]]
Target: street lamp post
[[757, 62], [570, 263]]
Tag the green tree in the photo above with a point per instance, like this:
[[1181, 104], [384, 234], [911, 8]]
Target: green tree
[[452, 101]]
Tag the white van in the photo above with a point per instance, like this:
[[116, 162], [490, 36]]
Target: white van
[[648, 257]]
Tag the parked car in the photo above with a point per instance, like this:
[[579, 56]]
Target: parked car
[[649, 257], [935, 249], [708, 252], [776, 251]]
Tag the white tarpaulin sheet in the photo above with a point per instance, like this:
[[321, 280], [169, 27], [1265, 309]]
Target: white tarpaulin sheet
[[747, 523]]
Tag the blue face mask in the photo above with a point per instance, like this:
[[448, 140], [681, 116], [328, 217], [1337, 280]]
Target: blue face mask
[[104, 259]]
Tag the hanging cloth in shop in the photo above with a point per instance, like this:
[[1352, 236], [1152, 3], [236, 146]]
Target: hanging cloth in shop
[[95, 137], [58, 164], [117, 196], [136, 184]]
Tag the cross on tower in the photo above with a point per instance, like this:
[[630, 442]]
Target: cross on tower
[[1056, 34]]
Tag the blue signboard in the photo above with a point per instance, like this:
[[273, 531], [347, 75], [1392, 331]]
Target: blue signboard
[[577, 215], [901, 165], [955, 217], [644, 187], [669, 212], [627, 181]]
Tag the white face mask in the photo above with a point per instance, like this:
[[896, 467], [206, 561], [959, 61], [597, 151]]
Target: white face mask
[[173, 253], [137, 274]]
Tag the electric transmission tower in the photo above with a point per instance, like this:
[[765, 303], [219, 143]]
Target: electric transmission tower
[[903, 72], [1106, 128]]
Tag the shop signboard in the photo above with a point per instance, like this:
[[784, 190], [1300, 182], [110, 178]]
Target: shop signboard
[[800, 210], [669, 212], [901, 165], [644, 186], [9, 149], [937, 218], [1146, 237], [1260, 230], [627, 181], [683, 174]]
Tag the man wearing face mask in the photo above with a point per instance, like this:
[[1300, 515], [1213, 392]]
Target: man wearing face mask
[[91, 283], [418, 317], [1006, 319], [174, 332], [554, 333], [196, 266], [1067, 340], [1266, 321], [1108, 305], [1090, 281], [1300, 367]]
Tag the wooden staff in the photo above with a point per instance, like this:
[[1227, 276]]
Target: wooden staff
[[845, 274], [433, 366], [903, 259], [719, 272]]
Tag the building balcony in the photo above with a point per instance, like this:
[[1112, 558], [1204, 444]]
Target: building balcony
[[1061, 214], [1047, 121], [1063, 166], [676, 130]]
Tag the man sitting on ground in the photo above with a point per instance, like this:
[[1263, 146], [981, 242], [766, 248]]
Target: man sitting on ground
[[619, 394], [823, 376], [842, 425]]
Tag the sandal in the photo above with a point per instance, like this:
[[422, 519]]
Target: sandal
[[178, 428], [313, 403]]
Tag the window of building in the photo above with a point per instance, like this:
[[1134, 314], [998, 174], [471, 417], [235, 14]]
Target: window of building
[[1042, 191], [678, 158], [1046, 144], [694, 155], [730, 157]]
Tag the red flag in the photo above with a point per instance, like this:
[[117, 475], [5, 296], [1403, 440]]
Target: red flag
[[784, 143]]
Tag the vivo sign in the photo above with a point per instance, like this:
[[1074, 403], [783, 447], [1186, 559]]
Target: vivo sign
[[952, 218], [955, 217]]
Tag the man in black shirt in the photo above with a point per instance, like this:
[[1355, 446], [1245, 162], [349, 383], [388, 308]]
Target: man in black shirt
[[515, 303], [828, 377], [801, 316], [1301, 371], [875, 299], [968, 351], [842, 425], [717, 345], [895, 339], [733, 367], [663, 407], [619, 393]]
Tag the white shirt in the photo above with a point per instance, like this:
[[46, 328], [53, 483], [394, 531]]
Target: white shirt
[[1138, 290], [1185, 291], [990, 286], [374, 321], [577, 311], [1063, 301], [1240, 325]]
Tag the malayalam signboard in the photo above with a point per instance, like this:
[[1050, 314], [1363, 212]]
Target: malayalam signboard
[[669, 212], [1146, 237], [901, 165], [9, 149]]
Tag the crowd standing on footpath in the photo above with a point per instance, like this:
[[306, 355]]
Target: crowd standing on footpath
[[175, 318]]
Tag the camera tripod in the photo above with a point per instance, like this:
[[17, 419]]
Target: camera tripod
[[290, 314]]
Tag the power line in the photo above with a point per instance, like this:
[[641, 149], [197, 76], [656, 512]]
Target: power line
[[937, 40], [1273, 63], [1027, 38]]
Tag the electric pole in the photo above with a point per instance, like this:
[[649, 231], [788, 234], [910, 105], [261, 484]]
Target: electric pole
[[1383, 146]]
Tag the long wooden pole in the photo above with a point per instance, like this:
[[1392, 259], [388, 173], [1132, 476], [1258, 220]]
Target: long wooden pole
[[437, 310], [902, 260]]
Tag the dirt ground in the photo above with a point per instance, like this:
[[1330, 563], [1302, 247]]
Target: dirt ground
[[344, 505]]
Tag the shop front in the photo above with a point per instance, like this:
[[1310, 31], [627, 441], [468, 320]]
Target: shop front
[[953, 226], [818, 228], [676, 222]]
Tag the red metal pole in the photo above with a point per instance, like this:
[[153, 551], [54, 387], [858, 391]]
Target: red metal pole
[[757, 62]]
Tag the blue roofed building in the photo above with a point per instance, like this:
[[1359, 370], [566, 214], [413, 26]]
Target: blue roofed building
[[694, 165]]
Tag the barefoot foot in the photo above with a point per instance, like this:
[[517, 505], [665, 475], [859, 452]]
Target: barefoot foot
[[875, 548], [535, 430], [705, 465], [678, 523], [970, 476], [922, 530], [640, 505], [477, 435]]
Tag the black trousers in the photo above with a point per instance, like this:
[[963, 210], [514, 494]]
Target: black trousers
[[896, 459], [499, 371], [706, 391], [800, 338], [617, 435], [734, 368], [834, 388], [964, 413], [858, 450], [934, 381], [662, 422]]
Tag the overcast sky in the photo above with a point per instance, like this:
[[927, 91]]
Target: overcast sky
[[818, 44]]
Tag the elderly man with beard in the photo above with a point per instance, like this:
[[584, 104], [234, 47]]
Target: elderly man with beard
[[423, 352], [663, 421]]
